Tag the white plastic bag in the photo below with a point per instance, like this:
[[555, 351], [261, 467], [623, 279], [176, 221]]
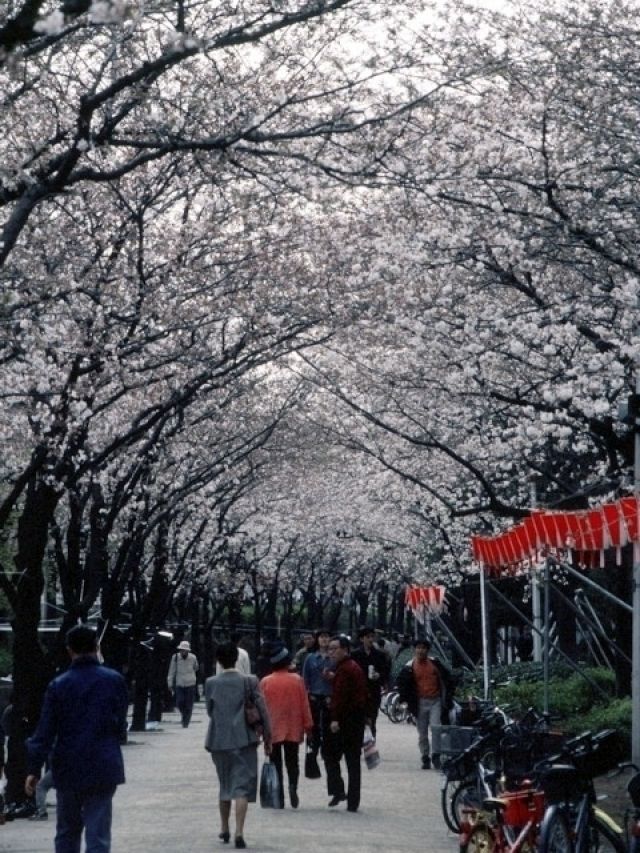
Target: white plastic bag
[[369, 749]]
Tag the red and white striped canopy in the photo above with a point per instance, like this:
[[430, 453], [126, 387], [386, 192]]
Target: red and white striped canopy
[[588, 532], [430, 598]]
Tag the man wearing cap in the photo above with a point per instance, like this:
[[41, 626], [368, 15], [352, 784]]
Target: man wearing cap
[[290, 717], [376, 668], [182, 680], [347, 710], [426, 685]]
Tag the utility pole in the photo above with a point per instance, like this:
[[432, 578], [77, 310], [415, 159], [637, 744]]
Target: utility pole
[[485, 635], [629, 414], [535, 587], [635, 653]]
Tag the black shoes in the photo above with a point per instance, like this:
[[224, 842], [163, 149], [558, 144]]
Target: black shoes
[[426, 762], [240, 842], [18, 810], [224, 836], [293, 797], [337, 799]]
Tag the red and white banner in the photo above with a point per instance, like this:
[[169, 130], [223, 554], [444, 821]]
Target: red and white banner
[[587, 532], [425, 598]]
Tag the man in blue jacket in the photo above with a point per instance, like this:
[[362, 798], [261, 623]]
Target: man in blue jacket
[[83, 722]]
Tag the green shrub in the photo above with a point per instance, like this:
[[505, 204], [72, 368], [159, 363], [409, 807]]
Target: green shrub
[[574, 703], [616, 714]]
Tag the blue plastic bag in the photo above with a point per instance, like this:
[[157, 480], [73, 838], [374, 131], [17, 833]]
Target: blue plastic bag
[[270, 794]]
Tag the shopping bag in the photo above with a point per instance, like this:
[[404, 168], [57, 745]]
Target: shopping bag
[[369, 749], [270, 795], [311, 766]]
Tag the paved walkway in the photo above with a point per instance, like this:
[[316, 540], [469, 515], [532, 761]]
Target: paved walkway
[[169, 804]]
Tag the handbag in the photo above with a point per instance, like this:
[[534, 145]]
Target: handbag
[[270, 792], [252, 715], [311, 766]]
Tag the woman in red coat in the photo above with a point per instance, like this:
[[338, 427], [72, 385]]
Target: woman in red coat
[[290, 716]]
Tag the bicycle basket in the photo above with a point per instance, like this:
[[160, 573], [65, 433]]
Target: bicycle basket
[[599, 756], [523, 806], [547, 743], [458, 767], [516, 756], [451, 740], [562, 782]]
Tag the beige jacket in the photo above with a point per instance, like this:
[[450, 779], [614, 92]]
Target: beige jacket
[[182, 671]]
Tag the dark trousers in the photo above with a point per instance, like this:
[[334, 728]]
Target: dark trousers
[[372, 714], [292, 764], [320, 714], [348, 743], [185, 697], [89, 811]]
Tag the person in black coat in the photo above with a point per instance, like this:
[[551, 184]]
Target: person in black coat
[[426, 685], [376, 668]]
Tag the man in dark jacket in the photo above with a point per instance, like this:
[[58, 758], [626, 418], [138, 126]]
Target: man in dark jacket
[[83, 721], [426, 685], [347, 712], [376, 668]]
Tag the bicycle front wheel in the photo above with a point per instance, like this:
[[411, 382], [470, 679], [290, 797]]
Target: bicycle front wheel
[[555, 832], [604, 836], [464, 798]]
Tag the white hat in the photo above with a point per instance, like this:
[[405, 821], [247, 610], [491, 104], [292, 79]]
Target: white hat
[[184, 646]]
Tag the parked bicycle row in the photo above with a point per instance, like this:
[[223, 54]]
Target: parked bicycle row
[[511, 786]]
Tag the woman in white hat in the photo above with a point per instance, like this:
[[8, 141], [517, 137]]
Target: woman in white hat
[[182, 680]]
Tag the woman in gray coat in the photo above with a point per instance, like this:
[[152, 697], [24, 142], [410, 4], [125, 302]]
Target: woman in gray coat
[[232, 744]]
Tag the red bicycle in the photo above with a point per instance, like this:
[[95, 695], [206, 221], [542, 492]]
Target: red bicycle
[[509, 823]]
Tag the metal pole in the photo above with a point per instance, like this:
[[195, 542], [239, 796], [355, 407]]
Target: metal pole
[[605, 592], [635, 631], [547, 638], [537, 615], [535, 584], [454, 642], [486, 663]]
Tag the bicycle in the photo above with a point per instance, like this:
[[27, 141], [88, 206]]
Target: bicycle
[[396, 710], [632, 815], [572, 822], [500, 758], [505, 824]]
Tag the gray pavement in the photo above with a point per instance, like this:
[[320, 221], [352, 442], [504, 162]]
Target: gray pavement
[[169, 804]]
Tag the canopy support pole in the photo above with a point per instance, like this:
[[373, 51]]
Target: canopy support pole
[[486, 662]]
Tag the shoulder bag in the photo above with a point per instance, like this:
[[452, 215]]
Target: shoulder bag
[[252, 714]]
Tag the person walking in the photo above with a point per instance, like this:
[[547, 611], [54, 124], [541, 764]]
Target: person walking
[[232, 743], [308, 643], [317, 673], [16, 725], [83, 723], [426, 685], [43, 787], [182, 679], [347, 711], [243, 663], [290, 716], [376, 668]]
